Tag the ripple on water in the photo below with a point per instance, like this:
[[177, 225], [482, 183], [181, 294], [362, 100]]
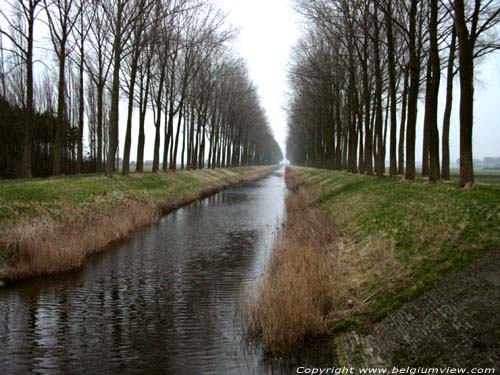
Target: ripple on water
[[162, 302]]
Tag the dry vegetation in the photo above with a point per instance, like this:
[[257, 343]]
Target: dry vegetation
[[44, 245], [40, 235], [298, 288], [354, 248]]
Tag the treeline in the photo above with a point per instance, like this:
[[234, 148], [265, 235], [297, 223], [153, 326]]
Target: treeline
[[361, 69], [168, 60], [12, 120]]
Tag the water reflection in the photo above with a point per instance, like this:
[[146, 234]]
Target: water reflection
[[162, 302]]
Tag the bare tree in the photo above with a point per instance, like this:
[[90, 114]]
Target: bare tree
[[450, 74], [141, 33], [470, 25], [161, 54], [62, 17], [98, 65], [21, 37], [344, 104]]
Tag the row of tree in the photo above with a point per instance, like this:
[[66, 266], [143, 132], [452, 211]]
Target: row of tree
[[169, 60], [360, 70]]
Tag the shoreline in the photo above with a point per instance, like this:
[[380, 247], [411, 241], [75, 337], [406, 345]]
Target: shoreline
[[356, 249], [55, 240]]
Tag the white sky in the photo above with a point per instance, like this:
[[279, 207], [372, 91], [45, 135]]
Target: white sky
[[268, 31]]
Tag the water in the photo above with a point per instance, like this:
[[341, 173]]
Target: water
[[164, 301]]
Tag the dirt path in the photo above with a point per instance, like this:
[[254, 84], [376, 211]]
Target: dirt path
[[456, 324]]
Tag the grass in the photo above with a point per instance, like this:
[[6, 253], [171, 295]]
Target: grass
[[19, 199], [390, 240], [51, 225]]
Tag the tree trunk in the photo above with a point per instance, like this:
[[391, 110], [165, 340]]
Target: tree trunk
[[434, 173], [115, 94], [392, 89], [168, 135], [379, 159], [466, 72], [100, 122], [368, 130], [130, 111], [28, 125], [412, 93], [157, 121], [447, 110], [173, 162], [401, 145], [426, 133], [60, 123], [143, 105], [81, 105]]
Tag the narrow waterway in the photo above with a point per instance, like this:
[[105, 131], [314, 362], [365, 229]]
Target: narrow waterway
[[164, 301]]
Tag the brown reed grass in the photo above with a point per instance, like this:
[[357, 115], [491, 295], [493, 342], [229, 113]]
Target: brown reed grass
[[316, 277], [43, 245]]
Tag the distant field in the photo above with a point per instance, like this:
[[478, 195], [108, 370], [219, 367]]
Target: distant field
[[482, 176]]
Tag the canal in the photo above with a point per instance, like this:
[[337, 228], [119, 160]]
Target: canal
[[165, 301]]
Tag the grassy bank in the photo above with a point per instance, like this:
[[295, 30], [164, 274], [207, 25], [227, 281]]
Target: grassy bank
[[357, 247], [51, 225]]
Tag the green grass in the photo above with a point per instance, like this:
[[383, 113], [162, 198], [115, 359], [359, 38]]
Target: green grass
[[430, 230], [21, 199], [37, 212]]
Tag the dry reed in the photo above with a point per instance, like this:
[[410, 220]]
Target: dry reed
[[295, 296], [41, 245], [316, 276]]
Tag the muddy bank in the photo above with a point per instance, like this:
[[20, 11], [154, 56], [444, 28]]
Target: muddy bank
[[51, 226]]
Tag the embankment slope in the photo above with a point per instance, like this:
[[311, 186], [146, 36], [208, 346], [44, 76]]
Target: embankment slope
[[52, 225], [357, 248]]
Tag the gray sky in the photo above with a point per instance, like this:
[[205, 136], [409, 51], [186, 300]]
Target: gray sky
[[269, 30]]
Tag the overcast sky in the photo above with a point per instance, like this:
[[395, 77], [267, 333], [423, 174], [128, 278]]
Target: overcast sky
[[268, 31], [270, 28]]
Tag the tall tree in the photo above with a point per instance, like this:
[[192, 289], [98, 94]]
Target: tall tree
[[450, 74], [414, 72], [434, 166], [469, 27], [21, 35], [391, 66], [62, 17]]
